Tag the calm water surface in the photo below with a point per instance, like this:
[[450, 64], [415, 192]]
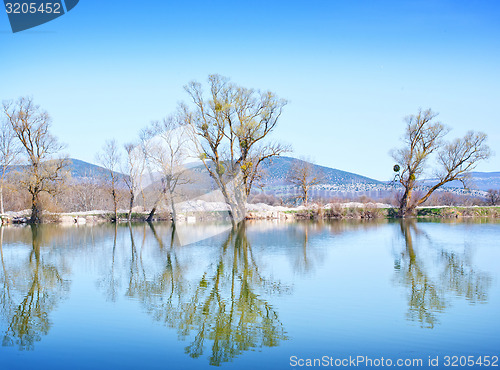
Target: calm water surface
[[107, 297]]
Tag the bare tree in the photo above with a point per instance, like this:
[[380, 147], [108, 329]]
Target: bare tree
[[144, 136], [147, 146], [9, 154], [110, 159], [134, 169], [493, 197], [424, 136], [89, 192], [43, 173], [229, 126], [168, 151], [304, 175]]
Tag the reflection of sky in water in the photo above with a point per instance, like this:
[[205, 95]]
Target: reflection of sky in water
[[253, 297]]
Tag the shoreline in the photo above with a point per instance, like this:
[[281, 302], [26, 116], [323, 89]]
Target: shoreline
[[263, 212]]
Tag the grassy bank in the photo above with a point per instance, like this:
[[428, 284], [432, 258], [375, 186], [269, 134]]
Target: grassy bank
[[455, 212], [370, 212]]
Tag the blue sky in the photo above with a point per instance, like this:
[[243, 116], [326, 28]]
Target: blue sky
[[350, 69]]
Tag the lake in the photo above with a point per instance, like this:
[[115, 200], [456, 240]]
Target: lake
[[266, 295]]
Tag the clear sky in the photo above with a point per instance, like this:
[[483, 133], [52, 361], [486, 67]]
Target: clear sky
[[350, 69]]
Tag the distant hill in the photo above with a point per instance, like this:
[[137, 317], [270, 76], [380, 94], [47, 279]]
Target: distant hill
[[478, 181], [82, 169], [276, 170], [79, 169]]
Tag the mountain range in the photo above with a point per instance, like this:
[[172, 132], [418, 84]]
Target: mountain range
[[275, 174], [477, 180], [277, 169]]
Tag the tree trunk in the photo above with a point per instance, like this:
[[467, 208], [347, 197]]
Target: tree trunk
[[130, 206], [173, 214], [232, 207], [143, 199], [151, 214], [115, 205], [236, 200], [35, 209], [405, 209], [1, 198], [237, 211]]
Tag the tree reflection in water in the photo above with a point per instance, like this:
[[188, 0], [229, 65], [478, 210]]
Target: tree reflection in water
[[110, 282], [39, 285], [221, 309], [429, 286], [305, 259]]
